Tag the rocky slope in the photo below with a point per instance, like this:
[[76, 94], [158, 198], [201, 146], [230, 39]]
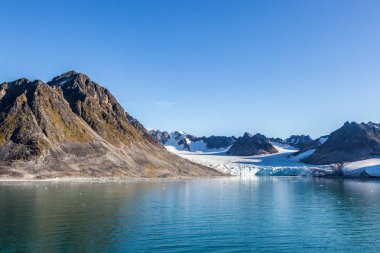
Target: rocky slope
[[73, 127], [351, 142], [251, 145], [298, 141], [183, 141]]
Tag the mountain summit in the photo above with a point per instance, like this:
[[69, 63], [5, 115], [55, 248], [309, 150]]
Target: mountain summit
[[72, 126], [352, 142], [250, 144]]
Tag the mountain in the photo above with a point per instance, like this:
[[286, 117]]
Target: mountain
[[313, 144], [298, 141], [73, 127], [183, 141], [277, 139], [161, 136], [251, 145], [351, 142]]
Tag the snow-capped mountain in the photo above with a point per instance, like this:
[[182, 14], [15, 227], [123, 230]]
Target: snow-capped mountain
[[183, 141]]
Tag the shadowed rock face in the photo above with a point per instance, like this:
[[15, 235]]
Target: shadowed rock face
[[217, 142], [352, 142], [251, 145], [299, 141], [160, 136], [74, 127]]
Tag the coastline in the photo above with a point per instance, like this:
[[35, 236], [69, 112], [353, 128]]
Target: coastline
[[107, 179]]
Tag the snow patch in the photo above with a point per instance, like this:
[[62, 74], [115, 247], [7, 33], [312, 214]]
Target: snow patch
[[61, 83], [370, 167], [323, 140], [302, 155]]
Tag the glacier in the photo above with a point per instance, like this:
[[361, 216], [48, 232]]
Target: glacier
[[282, 163], [277, 164]]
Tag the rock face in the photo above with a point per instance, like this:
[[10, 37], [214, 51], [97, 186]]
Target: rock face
[[352, 142], [73, 127], [143, 131], [183, 141], [298, 141], [161, 136], [277, 139], [219, 142], [251, 145]]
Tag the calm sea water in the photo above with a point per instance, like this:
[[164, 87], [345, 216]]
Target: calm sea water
[[201, 215]]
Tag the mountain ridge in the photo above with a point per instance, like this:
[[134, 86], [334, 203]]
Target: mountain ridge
[[352, 142]]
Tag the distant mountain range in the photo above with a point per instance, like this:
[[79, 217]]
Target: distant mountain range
[[183, 141], [248, 144], [352, 142], [73, 127]]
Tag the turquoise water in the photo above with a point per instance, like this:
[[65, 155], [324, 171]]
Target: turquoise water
[[261, 214]]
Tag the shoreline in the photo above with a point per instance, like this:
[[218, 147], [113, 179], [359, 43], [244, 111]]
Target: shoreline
[[106, 179]]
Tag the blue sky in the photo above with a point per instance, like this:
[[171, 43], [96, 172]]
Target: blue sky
[[209, 67]]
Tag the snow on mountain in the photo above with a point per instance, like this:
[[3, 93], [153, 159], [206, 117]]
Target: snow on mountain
[[298, 140], [183, 141], [322, 139], [368, 167]]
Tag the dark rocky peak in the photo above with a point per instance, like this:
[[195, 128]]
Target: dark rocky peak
[[18, 82], [81, 86], [218, 142], [353, 141], [161, 136], [354, 129], [66, 78], [251, 145], [9, 91], [298, 139], [259, 137], [143, 131], [97, 106], [277, 139], [247, 135]]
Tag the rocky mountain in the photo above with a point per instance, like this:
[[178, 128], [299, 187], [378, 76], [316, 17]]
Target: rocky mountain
[[277, 139], [161, 136], [313, 144], [73, 127], [298, 141], [302, 142], [219, 142], [251, 145], [352, 142], [183, 141], [143, 131]]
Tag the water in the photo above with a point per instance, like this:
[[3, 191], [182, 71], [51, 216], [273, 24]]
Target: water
[[202, 215]]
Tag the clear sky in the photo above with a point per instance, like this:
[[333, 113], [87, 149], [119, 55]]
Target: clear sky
[[209, 67]]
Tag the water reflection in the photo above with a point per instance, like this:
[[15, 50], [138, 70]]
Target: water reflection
[[282, 214]]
